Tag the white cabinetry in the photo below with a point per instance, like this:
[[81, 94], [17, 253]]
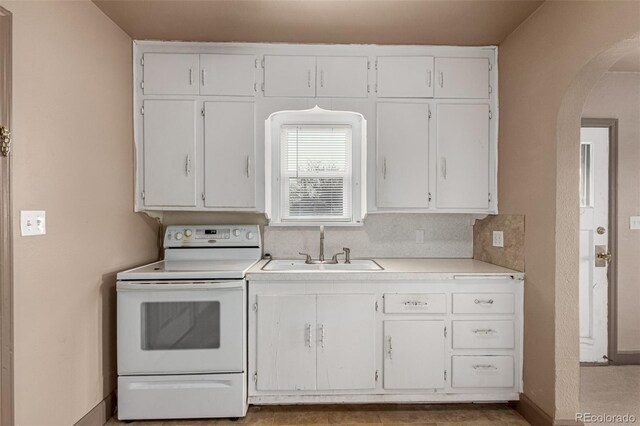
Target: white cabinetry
[[290, 76], [403, 155], [342, 76], [227, 75], [414, 355], [229, 155], [462, 78], [463, 156], [307, 342], [169, 153], [171, 74], [328, 339], [405, 77]]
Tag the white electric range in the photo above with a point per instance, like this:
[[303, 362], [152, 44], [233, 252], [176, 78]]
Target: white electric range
[[182, 326]]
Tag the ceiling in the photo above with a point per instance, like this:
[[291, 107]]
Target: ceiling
[[628, 63], [438, 22]]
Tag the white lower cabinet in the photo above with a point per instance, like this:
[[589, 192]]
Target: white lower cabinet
[[307, 342], [414, 355], [337, 341]]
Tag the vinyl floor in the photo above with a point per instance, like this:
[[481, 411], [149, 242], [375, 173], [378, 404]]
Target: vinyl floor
[[387, 415]]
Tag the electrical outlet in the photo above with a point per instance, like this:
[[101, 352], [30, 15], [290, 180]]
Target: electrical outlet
[[498, 239], [419, 236], [32, 222], [634, 222]]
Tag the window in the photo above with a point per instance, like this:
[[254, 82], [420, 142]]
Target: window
[[315, 168], [586, 177]]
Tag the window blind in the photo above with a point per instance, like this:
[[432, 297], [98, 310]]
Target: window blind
[[316, 172]]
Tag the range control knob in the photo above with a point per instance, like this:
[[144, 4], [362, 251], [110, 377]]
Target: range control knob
[[236, 232], [188, 233], [179, 236], [249, 235]]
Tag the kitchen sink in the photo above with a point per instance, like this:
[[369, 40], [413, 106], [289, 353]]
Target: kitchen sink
[[299, 265]]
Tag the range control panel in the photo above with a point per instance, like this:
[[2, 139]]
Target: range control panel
[[212, 236]]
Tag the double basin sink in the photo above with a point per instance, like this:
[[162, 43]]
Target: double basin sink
[[299, 265]]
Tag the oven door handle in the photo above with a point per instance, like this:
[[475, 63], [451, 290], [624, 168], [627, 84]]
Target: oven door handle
[[177, 286]]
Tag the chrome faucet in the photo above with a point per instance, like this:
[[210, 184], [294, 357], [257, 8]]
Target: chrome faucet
[[321, 255], [334, 258]]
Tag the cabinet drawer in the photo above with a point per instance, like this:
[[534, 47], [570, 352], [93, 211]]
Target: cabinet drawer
[[482, 372], [415, 303], [483, 334], [483, 303]]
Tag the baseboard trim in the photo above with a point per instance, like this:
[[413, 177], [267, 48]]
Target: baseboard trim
[[531, 412], [101, 413], [627, 358]]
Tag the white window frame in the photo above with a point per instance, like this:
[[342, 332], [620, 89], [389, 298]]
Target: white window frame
[[275, 185]]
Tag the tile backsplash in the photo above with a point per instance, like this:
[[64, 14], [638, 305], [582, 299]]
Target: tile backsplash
[[512, 254], [382, 235]]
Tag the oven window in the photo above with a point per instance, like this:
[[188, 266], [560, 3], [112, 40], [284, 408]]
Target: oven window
[[180, 325]]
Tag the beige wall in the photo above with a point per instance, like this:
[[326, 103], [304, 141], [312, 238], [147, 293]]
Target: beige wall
[[617, 95], [539, 63], [73, 157]]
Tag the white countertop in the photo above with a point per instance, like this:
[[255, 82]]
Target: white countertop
[[394, 269]]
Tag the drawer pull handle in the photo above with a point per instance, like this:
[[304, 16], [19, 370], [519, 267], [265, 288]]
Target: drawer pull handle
[[484, 331], [415, 303], [483, 301], [484, 367]]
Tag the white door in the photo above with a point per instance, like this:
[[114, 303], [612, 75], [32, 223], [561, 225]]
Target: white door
[[462, 149], [594, 234], [290, 76], [170, 74], [405, 77], [227, 75], [169, 153], [180, 328], [346, 341], [286, 347], [342, 76], [229, 155], [462, 78], [402, 174], [414, 354]]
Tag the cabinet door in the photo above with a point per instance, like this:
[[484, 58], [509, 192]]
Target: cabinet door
[[290, 76], [405, 77], [346, 341], [463, 156], [229, 154], [342, 77], [170, 74], [286, 347], [414, 355], [403, 155], [227, 75], [462, 78], [169, 153]]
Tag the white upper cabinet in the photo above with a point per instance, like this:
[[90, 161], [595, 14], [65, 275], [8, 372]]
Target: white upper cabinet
[[403, 155], [229, 155], [169, 152], [227, 75], [342, 76], [171, 74], [414, 355], [290, 76], [464, 78], [405, 76], [347, 348], [463, 160]]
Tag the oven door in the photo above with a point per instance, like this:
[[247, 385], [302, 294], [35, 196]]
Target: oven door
[[181, 327]]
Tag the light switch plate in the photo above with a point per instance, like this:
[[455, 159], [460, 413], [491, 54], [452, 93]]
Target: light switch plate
[[419, 236], [498, 239], [634, 222], [32, 222]]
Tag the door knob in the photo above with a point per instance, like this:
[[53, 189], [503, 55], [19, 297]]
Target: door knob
[[603, 256]]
